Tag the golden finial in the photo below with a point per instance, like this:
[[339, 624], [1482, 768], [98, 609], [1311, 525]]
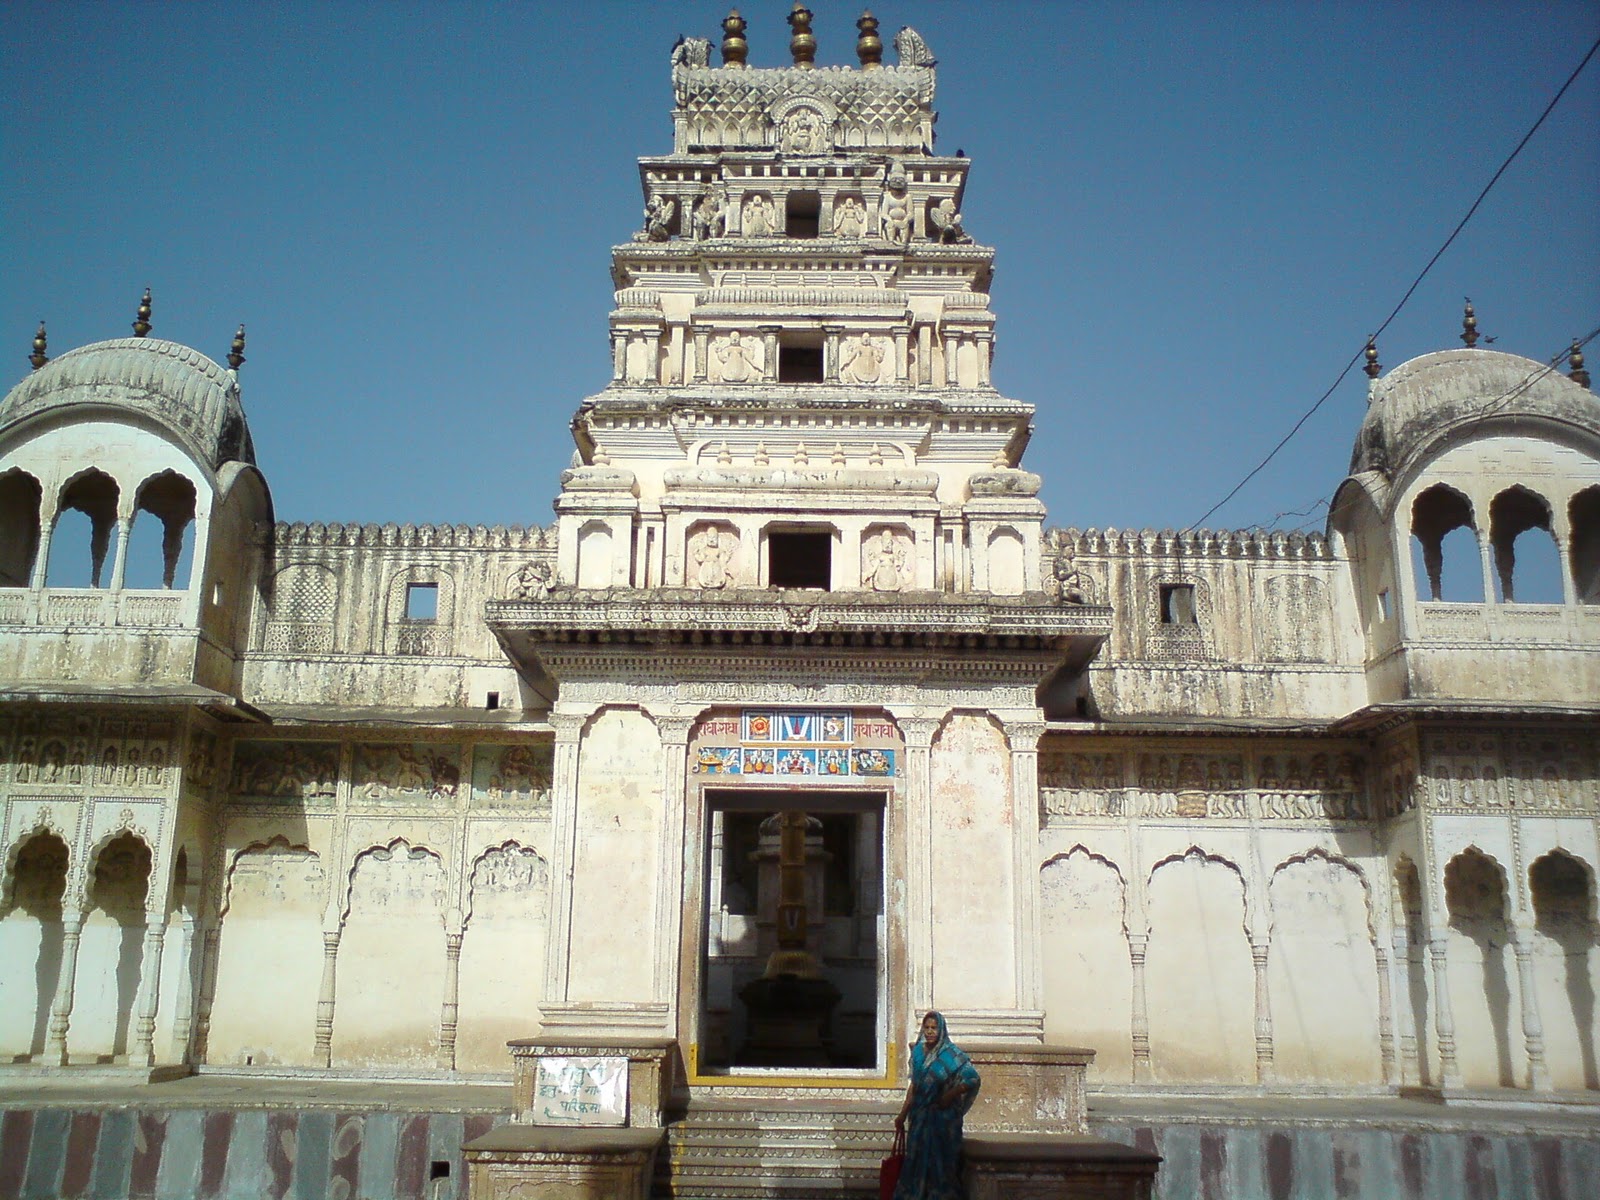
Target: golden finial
[[142, 325], [869, 46], [38, 358], [1373, 367], [236, 351], [1575, 372], [1469, 326], [803, 45], [734, 47]]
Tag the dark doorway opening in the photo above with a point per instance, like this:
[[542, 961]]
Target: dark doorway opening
[[800, 559]]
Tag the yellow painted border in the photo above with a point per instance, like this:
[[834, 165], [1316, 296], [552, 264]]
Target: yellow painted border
[[889, 1083]]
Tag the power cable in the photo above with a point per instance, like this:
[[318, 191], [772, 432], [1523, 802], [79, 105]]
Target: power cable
[[1415, 283]]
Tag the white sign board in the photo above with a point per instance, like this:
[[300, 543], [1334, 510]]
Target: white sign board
[[581, 1091]]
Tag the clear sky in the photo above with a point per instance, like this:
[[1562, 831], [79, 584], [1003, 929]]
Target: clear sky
[[1200, 209]]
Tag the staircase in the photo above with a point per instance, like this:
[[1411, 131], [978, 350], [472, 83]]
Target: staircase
[[745, 1146]]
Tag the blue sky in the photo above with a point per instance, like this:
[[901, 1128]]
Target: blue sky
[[1200, 211]]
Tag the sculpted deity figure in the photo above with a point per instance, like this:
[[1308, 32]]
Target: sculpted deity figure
[[739, 359], [658, 212], [803, 133], [894, 211], [849, 218], [757, 216], [947, 223], [886, 563], [710, 218], [531, 582], [712, 555], [862, 359]]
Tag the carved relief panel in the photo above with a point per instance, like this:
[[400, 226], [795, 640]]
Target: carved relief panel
[[406, 773], [284, 773], [736, 358], [866, 360], [713, 558], [886, 559], [512, 776]]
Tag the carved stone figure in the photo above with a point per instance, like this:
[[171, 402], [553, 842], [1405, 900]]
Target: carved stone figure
[[803, 132], [740, 360], [1070, 585], [947, 223], [894, 211], [658, 214], [711, 555], [912, 50], [710, 217], [886, 563], [691, 52], [531, 582], [849, 218], [862, 359], [757, 216]]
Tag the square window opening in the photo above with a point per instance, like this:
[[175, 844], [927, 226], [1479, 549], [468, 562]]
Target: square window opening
[[1383, 605], [799, 363], [802, 216], [1177, 604], [422, 601], [800, 559]]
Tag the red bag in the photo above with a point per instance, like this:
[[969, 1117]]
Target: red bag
[[889, 1171]]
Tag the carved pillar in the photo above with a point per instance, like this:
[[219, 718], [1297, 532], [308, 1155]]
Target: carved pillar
[[450, 1013], [149, 994], [1138, 943], [119, 564], [41, 557], [830, 352], [1569, 586], [1385, 1015], [917, 836], [924, 355], [952, 342], [985, 339], [1410, 1062], [619, 355], [1024, 738], [208, 990], [702, 353], [672, 838], [769, 353], [902, 353], [563, 849], [1486, 563], [1532, 1029], [1444, 1024], [1264, 1050], [675, 372], [183, 1003], [322, 1052], [61, 1009]]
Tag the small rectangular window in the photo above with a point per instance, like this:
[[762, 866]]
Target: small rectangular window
[[1383, 605], [799, 364], [1177, 604], [802, 214], [491, 701], [802, 559], [422, 601]]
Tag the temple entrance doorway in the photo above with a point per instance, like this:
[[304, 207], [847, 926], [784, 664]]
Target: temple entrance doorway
[[792, 931]]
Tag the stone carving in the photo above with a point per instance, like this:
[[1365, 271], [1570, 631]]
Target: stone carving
[[1070, 585], [504, 776], [711, 552], [279, 771], [757, 216], [849, 218], [738, 361], [912, 50], [691, 52], [710, 217], [277, 873], [658, 213], [409, 878], [863, 360], [946, 222], [883, 562], [407, 771], [894, 210], [531, 581], [804, 130], [510, 868]]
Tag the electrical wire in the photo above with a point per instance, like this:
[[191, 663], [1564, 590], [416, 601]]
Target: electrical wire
[[1415, 283]]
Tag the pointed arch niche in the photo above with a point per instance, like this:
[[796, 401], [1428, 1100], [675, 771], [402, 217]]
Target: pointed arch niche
[[1482, 971], [31, 942], [502, 954], [1444, 547], [111, 950], [1566, 945], [1088, 975]]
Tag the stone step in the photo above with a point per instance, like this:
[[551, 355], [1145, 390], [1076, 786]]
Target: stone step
[[737, 1149]]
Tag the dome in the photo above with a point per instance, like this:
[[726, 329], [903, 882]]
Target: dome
[[174, 385], [1432, 399]]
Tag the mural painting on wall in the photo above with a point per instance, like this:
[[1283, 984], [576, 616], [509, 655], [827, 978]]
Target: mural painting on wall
[[810, 744], [277, 772], [406, 771], [511, 776]]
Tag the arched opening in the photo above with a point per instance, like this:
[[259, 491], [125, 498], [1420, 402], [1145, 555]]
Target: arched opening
[[110, 954], [87, 516], [1527, 565], [1444, 547], [170, 499], [20, 499], [1415, 1050], [1479, 973], [31, 944], [1565, 966], [1583, 515]]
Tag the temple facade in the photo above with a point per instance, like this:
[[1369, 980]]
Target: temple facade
[[798, 719]]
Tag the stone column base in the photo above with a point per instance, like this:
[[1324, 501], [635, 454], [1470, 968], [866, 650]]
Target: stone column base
[[528, 1162], [1030, 1089], [1002, 1166]]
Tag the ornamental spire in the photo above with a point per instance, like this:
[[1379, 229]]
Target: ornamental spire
[[236, 351], [141, 326], [38, 358], [869, 46], [734, 48], [1373, 367], [1469, 326], [802, 44], [1575, 371]]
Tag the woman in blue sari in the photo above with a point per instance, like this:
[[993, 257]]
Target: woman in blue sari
[[944, 1083]]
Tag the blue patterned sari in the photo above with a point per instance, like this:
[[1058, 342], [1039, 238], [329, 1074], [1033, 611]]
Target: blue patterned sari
[[932, 1168]]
